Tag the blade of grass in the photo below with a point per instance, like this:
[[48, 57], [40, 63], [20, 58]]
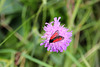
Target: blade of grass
[[7, 51], [52, 2], [90, 52], [16, 30], [88, 39], [74, 14], [4, 60], [44, 12], [37, 15], [1, 4], [88, 25], [35, 29], [16, 34], [73, 59], [12, 59], [96, 38], [9, 62], [97, 60], [84, 60], [89, 4], [25, 26], [68, 61], [85, 18], [35, 60]]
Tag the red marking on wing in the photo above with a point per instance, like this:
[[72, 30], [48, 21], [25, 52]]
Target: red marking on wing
[[54, 35], [58, 38]]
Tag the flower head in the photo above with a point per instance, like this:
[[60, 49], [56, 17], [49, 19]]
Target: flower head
[[57, 36]]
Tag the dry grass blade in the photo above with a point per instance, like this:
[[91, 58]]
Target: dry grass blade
[[90, 52]]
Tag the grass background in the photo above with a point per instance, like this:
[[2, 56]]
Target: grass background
[[21, 28]]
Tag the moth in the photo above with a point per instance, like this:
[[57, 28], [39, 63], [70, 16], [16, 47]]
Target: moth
[[56, 37]]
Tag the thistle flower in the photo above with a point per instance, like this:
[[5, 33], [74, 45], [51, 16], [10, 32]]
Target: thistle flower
[[57, 36]]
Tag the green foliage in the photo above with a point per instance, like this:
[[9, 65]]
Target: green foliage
[[21, 28], [10, 6]]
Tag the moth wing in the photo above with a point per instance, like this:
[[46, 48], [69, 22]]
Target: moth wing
[[58, 38], [54, 35]]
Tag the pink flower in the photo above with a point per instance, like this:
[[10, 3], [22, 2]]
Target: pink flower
[[50, 30]]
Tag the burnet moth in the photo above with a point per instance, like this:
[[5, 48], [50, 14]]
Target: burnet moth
[[56, 37]]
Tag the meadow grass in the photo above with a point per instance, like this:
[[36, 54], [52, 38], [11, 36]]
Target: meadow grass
[[21, 28]]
